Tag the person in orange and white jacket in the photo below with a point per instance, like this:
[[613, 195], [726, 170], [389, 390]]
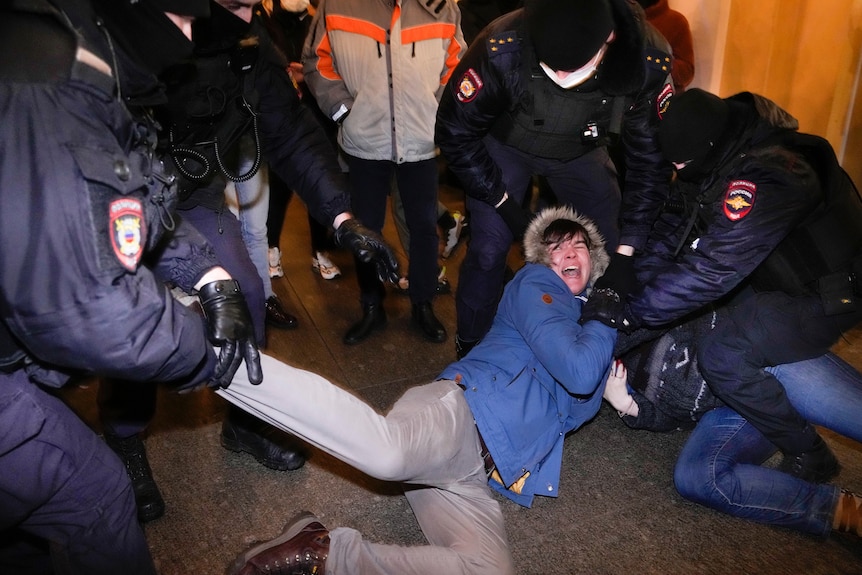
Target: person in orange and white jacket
[[378, 68]]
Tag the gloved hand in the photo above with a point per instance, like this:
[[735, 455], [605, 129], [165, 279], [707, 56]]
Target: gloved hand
[[230, 327], [620, 275], [368, 246], [516, 217], [605, 305]]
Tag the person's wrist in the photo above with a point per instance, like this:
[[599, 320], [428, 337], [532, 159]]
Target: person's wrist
[[214, 274], [340, 219]]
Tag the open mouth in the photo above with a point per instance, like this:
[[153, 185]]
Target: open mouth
[[572, 272]]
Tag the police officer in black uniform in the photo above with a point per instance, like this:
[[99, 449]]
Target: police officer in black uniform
[[764, 220], [84, 202], [542, 91]]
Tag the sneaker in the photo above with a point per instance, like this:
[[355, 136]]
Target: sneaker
[[321, 263], [275, 269], [453, 234]]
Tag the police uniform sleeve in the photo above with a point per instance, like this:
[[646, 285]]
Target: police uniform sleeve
[[73, 289], [297, 148], [476, 95], [647, 174], [760, 206]]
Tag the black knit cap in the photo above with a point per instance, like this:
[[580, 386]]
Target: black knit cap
[[567, 33], [196, 8], [692, 126]]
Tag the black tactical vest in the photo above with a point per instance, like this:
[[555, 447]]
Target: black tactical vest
[[552, 122]]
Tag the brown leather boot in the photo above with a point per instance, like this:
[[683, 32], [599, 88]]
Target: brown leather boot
[[301, 549]]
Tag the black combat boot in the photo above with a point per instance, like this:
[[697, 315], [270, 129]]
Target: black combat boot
[[817, 465], [427, 322], [271, 447], [148, 499], [373, 317]]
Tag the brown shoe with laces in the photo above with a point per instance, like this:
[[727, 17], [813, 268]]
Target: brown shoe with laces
[[301, 549], [848, 513]]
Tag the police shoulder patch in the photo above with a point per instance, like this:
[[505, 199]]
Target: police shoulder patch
[[739, 199], [663, 100], [469, 86], [127, 230]]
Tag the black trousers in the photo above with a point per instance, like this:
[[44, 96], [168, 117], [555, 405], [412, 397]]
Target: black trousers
[[761, 330]]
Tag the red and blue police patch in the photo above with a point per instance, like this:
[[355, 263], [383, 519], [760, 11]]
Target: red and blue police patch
[[469, 86], [739, 199], [663, 100], [127, 231]]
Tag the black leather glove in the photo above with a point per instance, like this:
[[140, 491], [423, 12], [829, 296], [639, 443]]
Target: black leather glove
[[230, 327], [516, 217], [368, 246], [605, 305], [620, 275]]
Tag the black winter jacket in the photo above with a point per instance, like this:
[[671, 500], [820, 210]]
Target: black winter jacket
[[757, 195], [87, 224], [636, 68]]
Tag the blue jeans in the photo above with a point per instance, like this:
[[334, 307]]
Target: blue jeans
[[249, 200], [720, 465], [763, 329]]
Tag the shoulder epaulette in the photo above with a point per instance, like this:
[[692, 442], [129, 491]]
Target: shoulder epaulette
[[504, 42], [658, 60], [434, 7]]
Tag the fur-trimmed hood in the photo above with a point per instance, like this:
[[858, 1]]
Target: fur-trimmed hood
[[536, 252]]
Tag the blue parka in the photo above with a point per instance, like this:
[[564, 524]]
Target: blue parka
[[537, 374]]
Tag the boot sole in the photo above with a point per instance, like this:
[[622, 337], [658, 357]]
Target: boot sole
[[291, 530]]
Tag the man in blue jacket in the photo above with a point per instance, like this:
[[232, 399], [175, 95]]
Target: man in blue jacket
[[497, 417]]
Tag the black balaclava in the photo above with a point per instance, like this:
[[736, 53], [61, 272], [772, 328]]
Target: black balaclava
[[146, 33], [566, 34], [691, 130]]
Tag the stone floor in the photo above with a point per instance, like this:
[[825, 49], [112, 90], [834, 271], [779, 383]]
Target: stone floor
[[617, 512]]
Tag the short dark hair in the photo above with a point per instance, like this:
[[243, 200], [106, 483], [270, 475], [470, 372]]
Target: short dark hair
[[563, 230]]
